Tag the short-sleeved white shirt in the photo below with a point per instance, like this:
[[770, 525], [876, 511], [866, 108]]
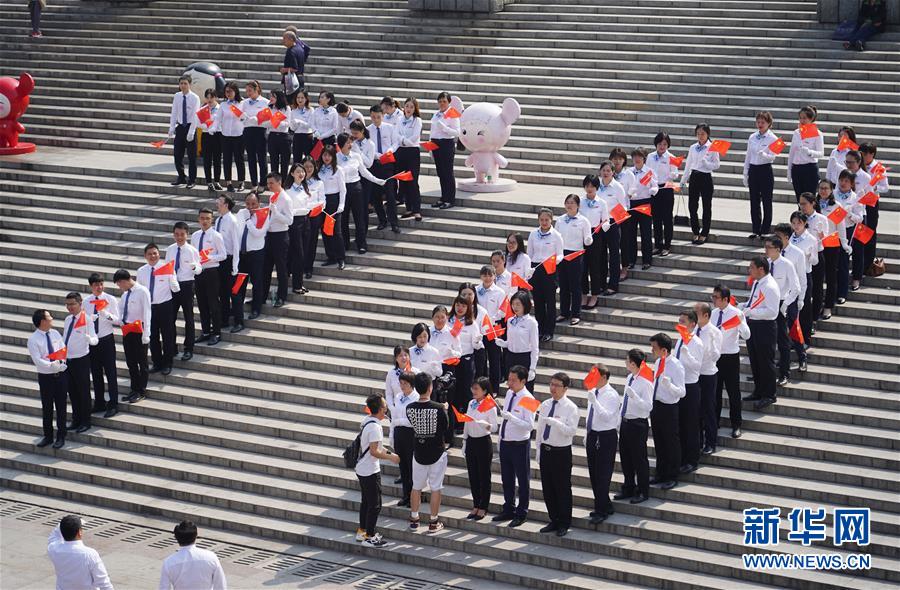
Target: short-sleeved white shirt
[[372, 433]]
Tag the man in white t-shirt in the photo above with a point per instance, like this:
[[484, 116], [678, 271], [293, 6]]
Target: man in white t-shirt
[[368, 471]]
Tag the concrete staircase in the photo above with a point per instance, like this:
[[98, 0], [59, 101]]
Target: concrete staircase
[[248, 435]]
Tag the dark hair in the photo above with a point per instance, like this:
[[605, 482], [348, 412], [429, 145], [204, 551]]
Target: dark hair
[[305, 95], [591, 179], [847, 174], [209, 92], [178, 225], [723, 291], [519, 371], [705, 308], [444, 95], [775, 242], [280, 99], [329, 96], [704, 127], [473, 288], [342, 140], [855, 155], [374, 403], [500, 254], [391, 101], [375, 108], [274, 176], [409, 377], [422, 383], [868, 148], [851, 133], [662, 340], [810, 111], [415, 102], [234, 88], [38, 316], [602, 369], [618, 153], [305, 182], [315, 165], [418, 329], [357, 125], [604, 164], [229, 202], [572, 197], [524, 298], [639, 151], [485, 384], [520, 248], [185, 533], [785, 229], [397, 350], [74, 295], [184, 77], [438, 309], [765, 116], [204, 211], [331, 151], [562, 378], [546, 210], [635, 355], [760, 262], [343, 107], [470, 309], [662, 136], [254, 85], [487, 270], [811, 198], [121, 275], [95, 278], [150, 246], [690, 314], [69, 527]]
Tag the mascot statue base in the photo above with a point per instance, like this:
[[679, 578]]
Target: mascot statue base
[[484, 129], [13, 102]]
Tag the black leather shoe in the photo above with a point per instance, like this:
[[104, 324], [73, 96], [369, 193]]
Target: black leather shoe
[[395, 229], [278, 303], [202, 338], [329, 263], [98, 408], [214, 339], [752, 398], [136, 398], [398, 481], [188, 355], [598, 519], [689, 468], [639, 498], [450, 206], [549, 528], [155, 369], [60, 442], [167, 371], [517, 521], [502, 517], [764, 403], [362, 250], [83, 428], [178, 182], [44, 442], [110, 412], [237, 328], [668, 485], [190, 184], [623, 495], [782, 380], [708, 450], [307, 275], [562, 532], [403, 503], [736, 433], [253, 315], [130, 397], [341, 265], [381, 225], [436, 205]]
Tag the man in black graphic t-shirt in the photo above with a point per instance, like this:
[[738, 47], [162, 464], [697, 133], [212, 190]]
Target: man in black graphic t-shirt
[[431, 427]]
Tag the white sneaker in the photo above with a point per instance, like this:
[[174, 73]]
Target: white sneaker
[[375, 540], [360, 535]]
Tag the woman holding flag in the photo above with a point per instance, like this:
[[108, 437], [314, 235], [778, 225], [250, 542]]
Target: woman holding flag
[[521, 342], [480, 421], [467, 338], [546, 247], [577, 234]]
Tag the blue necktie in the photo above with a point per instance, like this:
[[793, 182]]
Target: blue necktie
[[550, 415], [678, 352], [49, 344], [378, 138], [508, 408], [244, 238], [219, 224], [656, 386], [719, 321], [178, 259], [125, 311], [184, 109], [625, 399], [97, 321], [752, 292], [152, 284], [590, 418], [772, 268], [202, 235], [69, 331]]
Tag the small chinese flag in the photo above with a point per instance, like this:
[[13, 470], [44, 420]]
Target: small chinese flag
[[406, 175], [452, 113], [460, 417], [838, 215], [574, 255], [750, 281], [530, 404], [592, 378], [204, 255], [264, 115], [317, 210], [485, 322], [519, 282], [99, 304], [796, 333], [429, 146], [261, 215], [134, 327], [408, 366], [495, 332], [452, 361], [685, 333], [876, 178], [759, 300], [808, 131], [387, 158], [597, 229], [646, 178], [274, 198], [661, 369], [204, 116], [870, 199], [646, 372], [673, 186], [550, 264], [645, 209], [277, 119], [732, 300], [235, 111], [328, 225], [845, 144], [506, 308], [720, 146], [59, 355], [831, 241], [158, 144], [317, 150], [676, 161], [238, 283], [863, 233], [619, 214], [732, 322], [486, 404], [166, 269], [81, 321], [878, 169], [456, 328], [777, 146]]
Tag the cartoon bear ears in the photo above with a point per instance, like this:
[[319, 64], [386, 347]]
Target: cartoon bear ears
[[509, 112]]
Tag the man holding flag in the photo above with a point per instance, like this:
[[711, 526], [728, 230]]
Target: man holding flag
[[210, 247], [159, 279], [78, 337], [762, 310], [46, 348], [730, 320]]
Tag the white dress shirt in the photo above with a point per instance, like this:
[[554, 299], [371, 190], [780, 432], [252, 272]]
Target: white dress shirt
[[483, 423], [390, 139], [861, 182], [37, 348], [603, 410], [563, 423], [521, 266], [800, 264], [640, 191], [522, 336], [837, 161], [134, 305], [782, 270], [229, 124], [831, 227], [299, 199], [809, 245], [625, 177], [427, 360], [215, 125], [392, 383], [469, 338], [492, 298], [187, 265], [250, 107], [281, 212], [192, 568], [227, 226], [730, 343], [639, 396], [325, 122], [409, 131], [613, 194], [353, 167], [519, 425], [712, 348], [660, 164], [103, 325], [184, 105], [818, 226], [398, 407], [284, 125], [78, 567], [576, 232], [301, 121], [256, 236], [78, 340], [544, 245], [210, 239], [334, 183], [758, 152], [393, 118], [804, 151], [443, 127], [850, 202], [668, 384], [765, 297], [691, 357], [365, 149], [701, 159], [353, 115], [504, 282], [163, 285], [881, 187], [444, 342], [595, 210]]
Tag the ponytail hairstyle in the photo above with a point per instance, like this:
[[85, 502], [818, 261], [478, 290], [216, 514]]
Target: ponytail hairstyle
[[342, 140], [389, 100], [343, 107], [810, 111], [415, 103], [329, 96], [255, 86], [357, 125], [813, 199]]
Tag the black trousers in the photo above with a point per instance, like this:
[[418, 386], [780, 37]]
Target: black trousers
[[556, 483], [662, 204], [633, 455], [761, 348], [211, 148], [302, 144], [233, 151], [207, 283], [544, 294], [857, 268], [689, 424], [804, 179], [226, 281], [519, 358], [184, 301], [443, 164], [700, 188], [593, 273], [664, 419], [250, 263], [494, 356], [612, 240], [761, 182], [255, 145], [806, 314], [709, 418], [103, 362], [276, 255], [570, 275], [404, 445], [785, 344], [832, 262], [280, 148], [479, 454], [409, 158], [462, 393], [729, 378], [53, 395], [515, 461], [298, 237], [79, 386], [644, 224], [162, 333], [182, 145], [136, 359], [600, 448], [358, 205], [816, 290], [872, 223], [370, 504], [334, 244], [381, 196]]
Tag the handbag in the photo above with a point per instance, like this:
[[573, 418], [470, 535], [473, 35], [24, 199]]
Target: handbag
[[877, 268]]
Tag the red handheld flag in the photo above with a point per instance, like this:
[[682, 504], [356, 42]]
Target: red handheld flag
[[264, 115], [550, 264], [387, 158], [134, 327], [429, 146], [808, 131], [261, 215], [238, 283], [81, 321], [486, 404], [328, 225], [506, 308], [863, 233], [494, 332], [408, 366], [99, 304], [685, 333], [847, 144], [460, 417], [452, 113], [876, 178], [405, 176], [619, 214], [530, 404], [317, 150], [646, 178], [166, 269], [732, 300], [759, 300], [456, 328], [317, 210], [732, 322], [592, 378], [870, 199], [452, 361], [58, 355], [878, 169], [204, 116], [645, 209], [838, 215], [646, 372], [796, 333], [720, 146], [831, 241], [674, 186], [204, 255], [777, 146], [573, 255], [750, 281], [277, 119], [158, 144], [235, 111], [519, 282], [661, 369], [676, 161]]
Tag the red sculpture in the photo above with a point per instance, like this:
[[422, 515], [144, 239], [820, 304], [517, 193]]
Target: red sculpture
[[13, 102]]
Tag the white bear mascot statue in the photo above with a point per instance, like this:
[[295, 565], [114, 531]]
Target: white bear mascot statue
[[484, 129]]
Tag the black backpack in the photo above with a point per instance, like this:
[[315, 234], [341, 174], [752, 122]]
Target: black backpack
[[352, 454]]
